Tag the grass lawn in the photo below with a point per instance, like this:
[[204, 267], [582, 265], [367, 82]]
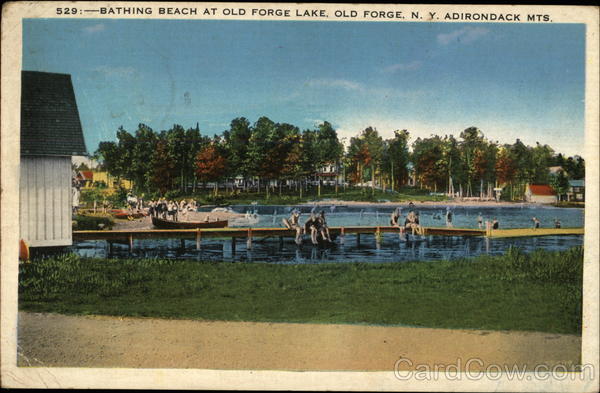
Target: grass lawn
[[540, 291]]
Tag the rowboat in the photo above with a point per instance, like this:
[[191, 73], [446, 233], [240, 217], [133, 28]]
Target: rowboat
[[167, 224]]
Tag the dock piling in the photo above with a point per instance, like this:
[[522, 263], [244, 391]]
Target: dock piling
[[249, 240], [130, 243], [198, 239]]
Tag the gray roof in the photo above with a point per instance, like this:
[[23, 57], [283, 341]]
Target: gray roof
[[576, 183], [50, 124]]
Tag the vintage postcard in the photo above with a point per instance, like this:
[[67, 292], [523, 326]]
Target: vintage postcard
[[299, 196]]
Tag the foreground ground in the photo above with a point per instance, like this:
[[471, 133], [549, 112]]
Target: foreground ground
[[93, 341], [513, 309], [540, 291]]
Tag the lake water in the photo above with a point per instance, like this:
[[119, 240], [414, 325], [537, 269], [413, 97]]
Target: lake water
[[389, 249]]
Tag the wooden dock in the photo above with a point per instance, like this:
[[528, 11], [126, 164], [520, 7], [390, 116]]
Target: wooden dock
[[128, 236], [527, 232]]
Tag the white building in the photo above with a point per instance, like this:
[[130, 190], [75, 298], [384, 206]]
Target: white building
[[540, 193], [50, 135]]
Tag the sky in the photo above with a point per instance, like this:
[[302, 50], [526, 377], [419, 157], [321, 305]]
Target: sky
[[510, 80]]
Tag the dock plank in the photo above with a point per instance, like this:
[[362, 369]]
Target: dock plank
[[527, 232]]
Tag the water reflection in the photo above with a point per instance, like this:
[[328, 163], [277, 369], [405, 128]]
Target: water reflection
[[388, 249]]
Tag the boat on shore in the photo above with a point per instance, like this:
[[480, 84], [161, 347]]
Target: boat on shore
[[125, 214], [168, 224]]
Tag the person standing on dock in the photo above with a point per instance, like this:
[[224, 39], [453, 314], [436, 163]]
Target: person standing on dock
[[495, 224], [294, 223], [536, 223], [448, 217], [480, 221]]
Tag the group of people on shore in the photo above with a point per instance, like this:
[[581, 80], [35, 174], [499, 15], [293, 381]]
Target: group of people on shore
[[315, 225], [170, 209]]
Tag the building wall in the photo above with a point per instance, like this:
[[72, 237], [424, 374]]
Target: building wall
[[45, 201], [109, 181], [543, 199]]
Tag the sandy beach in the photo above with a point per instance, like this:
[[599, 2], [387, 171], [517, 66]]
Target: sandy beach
[[146, 222], [57, 340]]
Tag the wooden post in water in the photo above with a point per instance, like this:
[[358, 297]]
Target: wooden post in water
[[130, 242], [378, 236], [249, 240], [357, 239], [198, 238], [342, 235], [233, 244], [182, 243]]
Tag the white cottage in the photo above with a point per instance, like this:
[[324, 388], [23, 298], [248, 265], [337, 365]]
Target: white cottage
[[50, 135], [540, 193]]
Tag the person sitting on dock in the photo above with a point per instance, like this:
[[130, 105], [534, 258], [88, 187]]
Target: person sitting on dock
[[324, 229], [312, 225], [557, 223], [536, 223], [293, 223], [412, 223], [448, 217], [480, 221]]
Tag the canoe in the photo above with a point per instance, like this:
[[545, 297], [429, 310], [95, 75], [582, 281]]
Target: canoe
[[167, 224], [124, 214]]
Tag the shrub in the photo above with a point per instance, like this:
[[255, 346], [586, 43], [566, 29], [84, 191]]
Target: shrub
[[92, 222]]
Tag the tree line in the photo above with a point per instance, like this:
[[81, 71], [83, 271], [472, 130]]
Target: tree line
[[266, 153]]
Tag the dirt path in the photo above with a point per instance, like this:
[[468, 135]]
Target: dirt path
[[98, 341]]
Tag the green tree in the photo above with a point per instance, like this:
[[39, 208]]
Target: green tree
[[145, 141], [237, 140], [397, 158], [163, 168], [560, 184], [210, 165]]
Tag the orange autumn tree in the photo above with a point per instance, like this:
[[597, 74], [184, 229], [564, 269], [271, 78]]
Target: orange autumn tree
[[210, 166]]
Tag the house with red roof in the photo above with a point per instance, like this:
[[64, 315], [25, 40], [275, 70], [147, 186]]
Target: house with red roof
[[540, 193]]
